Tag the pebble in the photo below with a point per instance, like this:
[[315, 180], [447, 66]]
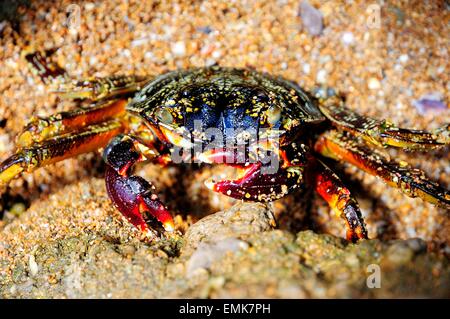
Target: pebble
[[89, 6], [306, 68], [400, 253], [205, 30], [292, 291], [2, 25], [431, 102], [312, 18], [179, 48], [240, 220], [5, 143], [373, 84], [403, 58], [17, 209], [33, 266], [347, 38], [207, 253], [321, 76], [352, 260], [418, 245]]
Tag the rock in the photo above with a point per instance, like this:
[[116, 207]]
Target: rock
[[241, 220], [347, 38], [33, 266], [179, 48], [205, 30], [373, 84], [207, 253], [321, 76], [233, 253], [400, 253], [430, 103], [312, 18], [403, 252]]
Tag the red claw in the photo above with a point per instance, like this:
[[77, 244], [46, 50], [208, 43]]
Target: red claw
[[132, 196], [259, 186]]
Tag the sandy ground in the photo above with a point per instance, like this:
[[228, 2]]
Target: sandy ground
[[383, 66]]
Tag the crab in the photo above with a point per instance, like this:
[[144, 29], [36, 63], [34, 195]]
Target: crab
[[279, 136]]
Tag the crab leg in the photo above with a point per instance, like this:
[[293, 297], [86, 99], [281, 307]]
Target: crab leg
[[41, 64], [40, 129], [94, 88], [411, 182], [133, 195], [58, 148], [333, 191], [384, 133], [100, 88]]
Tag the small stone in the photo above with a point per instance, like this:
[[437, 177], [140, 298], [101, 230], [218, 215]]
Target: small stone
[[216, 282], [139, 42], [417, 245], [126, 53], [216, 54], [291, 291], [210, 62], [207, 253], [321, 76], [240, 220], [149, 55], [33, 266], [17, 209], [347, 38], [399, 253], [312, 18], [89, 6], [179, 48], [352, 260], [205, 30], [403, 58], [373, 84], [2, 25], [306, 68], [431, 102], [128, 250]]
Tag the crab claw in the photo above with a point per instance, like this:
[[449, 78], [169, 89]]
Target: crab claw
[[256, 185], [133, 197]]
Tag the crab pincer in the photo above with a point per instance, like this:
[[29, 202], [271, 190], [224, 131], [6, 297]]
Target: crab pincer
[[258, 181], [131, 194]]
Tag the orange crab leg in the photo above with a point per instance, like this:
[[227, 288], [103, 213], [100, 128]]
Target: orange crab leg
[[383, 133], [58, 148], [332, 190], [411, 182], [40, 129]]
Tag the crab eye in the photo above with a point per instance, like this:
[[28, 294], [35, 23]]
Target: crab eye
[[273, 114], [164, 116]]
